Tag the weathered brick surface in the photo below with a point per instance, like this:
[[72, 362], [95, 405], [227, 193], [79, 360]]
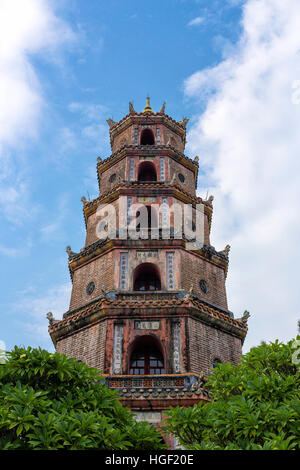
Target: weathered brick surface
[[100, 271], [171, 137], [87, 345], [194, 269], [118, 170], [167, 135], [163, 336], [201, 344], [189, 183], [189, 270], [120, 210], [124, 138], [94, 219], [205, 344]]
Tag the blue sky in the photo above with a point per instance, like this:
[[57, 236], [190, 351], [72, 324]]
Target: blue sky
[[67, 66]]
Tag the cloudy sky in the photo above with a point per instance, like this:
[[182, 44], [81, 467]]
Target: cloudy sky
[[232, 66]]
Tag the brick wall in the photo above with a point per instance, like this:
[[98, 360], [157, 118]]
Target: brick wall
[[93, 220], [163, 335], [119, 170], [189, 179], [201, 344], [171, 137], [100, 271], [126, 137], [87, 345], [123, 138], [194, 269], [206, 343]]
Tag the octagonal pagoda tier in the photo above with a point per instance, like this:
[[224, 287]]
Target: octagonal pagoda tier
[[148, 307]]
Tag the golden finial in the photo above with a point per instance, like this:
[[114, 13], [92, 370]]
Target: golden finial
[[148, 108]]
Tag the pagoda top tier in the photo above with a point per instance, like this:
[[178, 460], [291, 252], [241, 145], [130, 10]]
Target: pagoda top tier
[[147, 128]]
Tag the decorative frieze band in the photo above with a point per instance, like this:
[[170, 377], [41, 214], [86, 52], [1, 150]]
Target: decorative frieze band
[[162, 169], [128, 214], [176, 346], [146, 325], [146, 199], [123, 271], [170, 270], [131, 169], [157, 135], [117, 351], [147, 254], [165, 213], [149, 416]]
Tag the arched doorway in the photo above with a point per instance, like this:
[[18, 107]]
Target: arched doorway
[[146, 357], [147, 137], [150, 222], [147, 171], [146, 277]]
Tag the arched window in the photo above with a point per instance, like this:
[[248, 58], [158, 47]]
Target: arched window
[[147, 172], [146, 277], [146, 357], [147, 137]]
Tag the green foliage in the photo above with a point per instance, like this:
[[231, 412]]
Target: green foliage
[[49, 401], [255, 405]]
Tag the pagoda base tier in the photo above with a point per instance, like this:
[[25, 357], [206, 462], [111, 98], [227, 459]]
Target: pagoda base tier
[[159, 392]]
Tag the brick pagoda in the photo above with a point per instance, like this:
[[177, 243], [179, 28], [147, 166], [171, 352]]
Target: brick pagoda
[[150, 313]]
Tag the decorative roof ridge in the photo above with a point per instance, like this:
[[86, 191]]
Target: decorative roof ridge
[[216, 312], [186, 301], [174, 375], [122, 184], [226, 312], [139, 147], [208, 250], [145, 115], [87, 249]]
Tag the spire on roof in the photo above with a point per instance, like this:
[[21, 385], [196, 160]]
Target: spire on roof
[[184, 121], [163, 108], [148, 108], [110, 122], [131, 108]]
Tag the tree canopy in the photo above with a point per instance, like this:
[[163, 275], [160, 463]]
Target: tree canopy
[[255, 405], [49, 401]]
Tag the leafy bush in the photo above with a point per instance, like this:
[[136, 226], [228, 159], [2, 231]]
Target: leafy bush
[[256, 405], [49, 401]]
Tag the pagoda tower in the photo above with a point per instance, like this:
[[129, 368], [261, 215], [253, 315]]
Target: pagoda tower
[[150, 312]]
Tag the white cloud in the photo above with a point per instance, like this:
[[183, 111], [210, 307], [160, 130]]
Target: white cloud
[[2, 353], [27, 28], [196, 21], [35, 307], [11, 252], [93, 131], [91, 111], [54, 229], [248, 141]]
